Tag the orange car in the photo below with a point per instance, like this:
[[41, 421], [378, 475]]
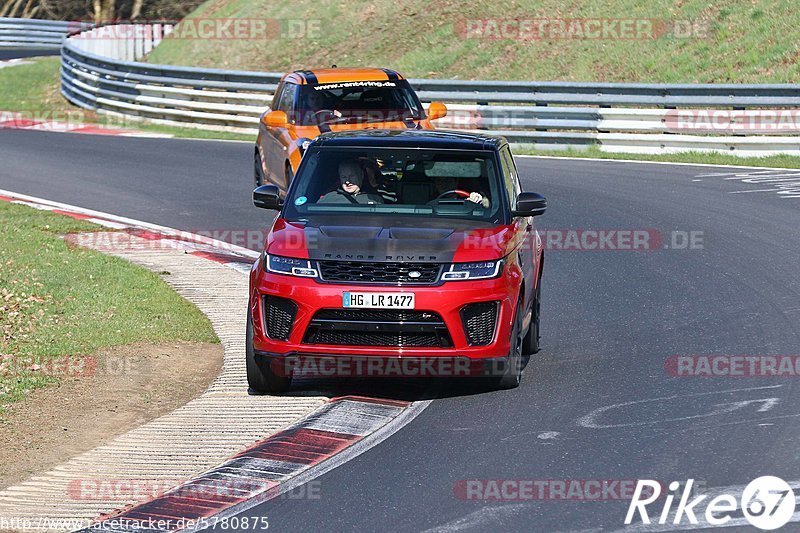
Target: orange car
[[310, 102]]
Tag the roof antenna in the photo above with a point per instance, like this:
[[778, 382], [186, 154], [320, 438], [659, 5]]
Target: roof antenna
[[333, 66]]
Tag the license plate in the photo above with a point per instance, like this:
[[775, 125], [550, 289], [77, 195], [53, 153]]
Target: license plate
[[378, 300]]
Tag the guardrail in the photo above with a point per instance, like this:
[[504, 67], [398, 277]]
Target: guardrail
[[99, 71], [35, 34]]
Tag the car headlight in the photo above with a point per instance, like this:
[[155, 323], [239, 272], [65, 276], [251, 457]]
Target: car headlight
[[467, 271], [290, 266]]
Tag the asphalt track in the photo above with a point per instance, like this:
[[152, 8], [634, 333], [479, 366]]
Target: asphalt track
[[13, 53], [610, 320]]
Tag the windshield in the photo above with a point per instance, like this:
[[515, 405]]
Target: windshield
[[396, 182], [358, 101]]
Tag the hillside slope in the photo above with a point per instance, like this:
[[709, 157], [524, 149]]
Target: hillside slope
[[640, 40]]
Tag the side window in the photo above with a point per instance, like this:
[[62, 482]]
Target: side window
[[517, 183], [510, 179], [274, 106], [286, 103]]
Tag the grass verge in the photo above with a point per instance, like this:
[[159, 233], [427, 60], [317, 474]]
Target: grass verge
[[58, 301], [686, 41], [32, 87], [702, 158], [33, 90]]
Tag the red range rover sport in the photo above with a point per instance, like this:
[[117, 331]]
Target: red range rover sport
[[398, 245]]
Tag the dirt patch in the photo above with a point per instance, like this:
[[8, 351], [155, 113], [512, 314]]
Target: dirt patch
[[125, 387]]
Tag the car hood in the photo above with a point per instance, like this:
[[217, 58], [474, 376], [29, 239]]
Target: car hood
[[434, 243]]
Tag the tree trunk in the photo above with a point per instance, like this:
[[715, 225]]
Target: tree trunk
[[104, 11], [11, 8], [30, 10], [136, 10]]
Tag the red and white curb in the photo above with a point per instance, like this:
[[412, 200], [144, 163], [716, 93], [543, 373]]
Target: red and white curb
[[22, 121], [210, 430], [13, 63], [341, 429], [231, 255]]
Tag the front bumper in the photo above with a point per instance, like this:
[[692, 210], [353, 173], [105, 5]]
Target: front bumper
[[447, 300]]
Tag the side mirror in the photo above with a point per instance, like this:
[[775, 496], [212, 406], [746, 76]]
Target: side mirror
[[436, 110], [267, 197], [530, 204], [275, 119]]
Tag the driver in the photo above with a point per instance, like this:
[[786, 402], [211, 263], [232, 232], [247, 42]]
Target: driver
[[351, 178], [445, 184], [315, 101]]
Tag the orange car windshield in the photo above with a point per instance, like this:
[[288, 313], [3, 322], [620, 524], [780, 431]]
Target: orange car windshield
[[358, 101]]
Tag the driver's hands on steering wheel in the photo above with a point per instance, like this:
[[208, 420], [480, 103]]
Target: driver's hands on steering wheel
[[477, 198], [332, 112]]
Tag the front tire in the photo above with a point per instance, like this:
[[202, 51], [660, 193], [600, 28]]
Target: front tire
[[258, 170], [260, 376], [512, 373], [530, 345], [288, 174]]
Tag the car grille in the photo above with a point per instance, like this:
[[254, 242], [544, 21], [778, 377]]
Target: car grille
[[377, 327], [278, 317], [365, 338], [393, 273], [480, 321]]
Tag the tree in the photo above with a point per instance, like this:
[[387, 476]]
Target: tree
[[98, 11]]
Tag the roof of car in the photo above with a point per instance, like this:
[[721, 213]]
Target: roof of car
[[411, 138], [335, 74]]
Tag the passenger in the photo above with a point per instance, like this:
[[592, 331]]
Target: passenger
[[377, 182], [351, 178]]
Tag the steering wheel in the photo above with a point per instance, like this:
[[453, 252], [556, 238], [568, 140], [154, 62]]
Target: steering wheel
[[455, 192], [327, 112]]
